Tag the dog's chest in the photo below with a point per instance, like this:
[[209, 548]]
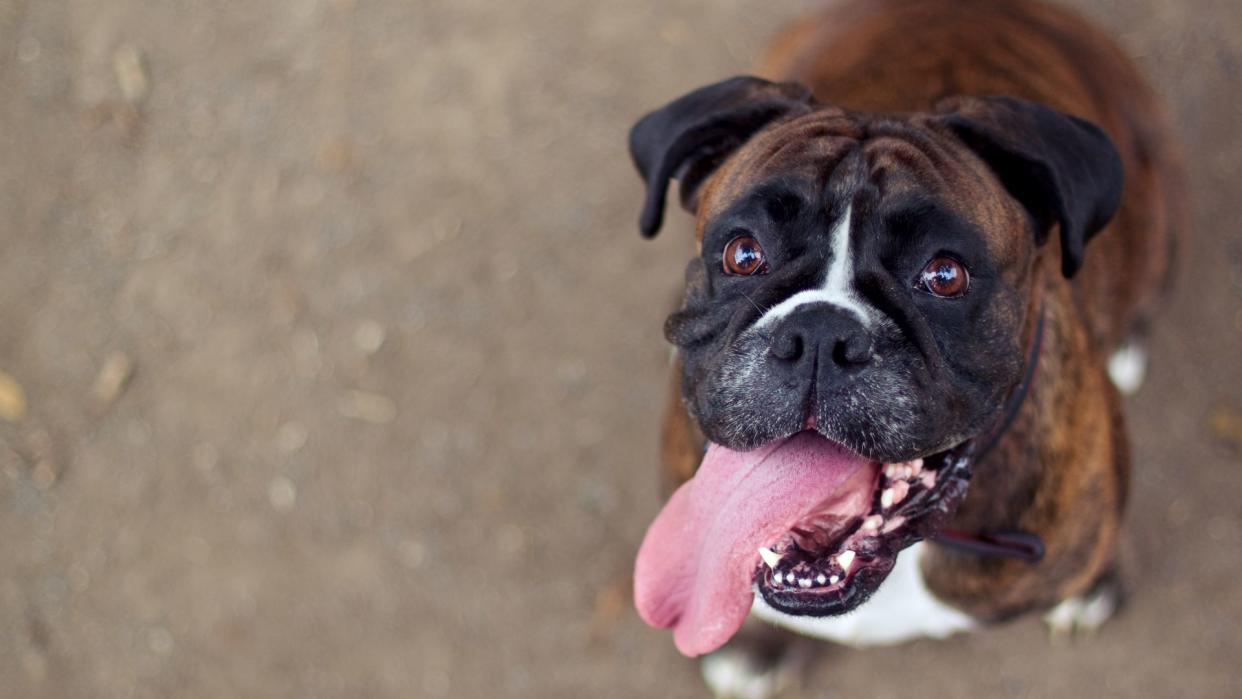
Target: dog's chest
[[902, 609]]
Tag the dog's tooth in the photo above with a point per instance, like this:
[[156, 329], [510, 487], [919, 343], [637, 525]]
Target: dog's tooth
[[886, 498], [894, 523], [872, 523], [916, 466], [929, 480], [834, 580], [892, 470], [769, 557], [821, 578], [845, 560], [900, 490], [804, 582], [789, 578]]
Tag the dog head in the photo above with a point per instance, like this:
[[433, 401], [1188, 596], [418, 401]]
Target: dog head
[[866, 277]]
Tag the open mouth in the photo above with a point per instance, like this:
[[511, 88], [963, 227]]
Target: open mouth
[[805, 522], [833, 559]]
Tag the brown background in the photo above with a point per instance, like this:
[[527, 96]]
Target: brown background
[[275, 506]]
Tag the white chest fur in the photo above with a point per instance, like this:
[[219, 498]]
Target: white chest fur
[[902, 609]]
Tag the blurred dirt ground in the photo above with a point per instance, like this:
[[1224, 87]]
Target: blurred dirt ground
[[331, 357]]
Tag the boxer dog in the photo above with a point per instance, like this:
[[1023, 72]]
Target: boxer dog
[[892, 414]]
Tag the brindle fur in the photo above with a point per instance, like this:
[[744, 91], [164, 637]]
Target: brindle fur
[[1061, 471]]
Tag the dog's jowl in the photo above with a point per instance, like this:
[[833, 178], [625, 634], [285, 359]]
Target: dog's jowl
[[915, 259]]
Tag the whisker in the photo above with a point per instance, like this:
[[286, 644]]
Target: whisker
[[752, 302]]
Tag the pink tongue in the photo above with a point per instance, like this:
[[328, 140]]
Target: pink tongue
[[696, 564]]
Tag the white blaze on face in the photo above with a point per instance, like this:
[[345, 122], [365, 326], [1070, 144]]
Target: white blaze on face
[[838, 287]]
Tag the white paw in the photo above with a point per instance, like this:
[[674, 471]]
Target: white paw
[[1128, 367], [735, 673], [1083, 614]]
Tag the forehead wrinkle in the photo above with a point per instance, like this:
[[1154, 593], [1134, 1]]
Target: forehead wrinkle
[[805, 145], [812, 147], [840, 186], [912, 160], [961, 170], [925, 153], [988, 204], [893, 156]]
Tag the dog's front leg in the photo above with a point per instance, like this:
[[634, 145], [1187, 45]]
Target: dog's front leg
[[761, 661]]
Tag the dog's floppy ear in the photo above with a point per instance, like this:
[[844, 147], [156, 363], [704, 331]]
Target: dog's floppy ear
[[690, 137], [1063, 169]]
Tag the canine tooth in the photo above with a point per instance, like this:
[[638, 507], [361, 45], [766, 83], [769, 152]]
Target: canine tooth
[[769, 557], [891, 470], [872, 523], [804, 582], [834, 580], [886, 498], [845, 560], [929, 480], [789, 578], [821, 578], [916, 466]]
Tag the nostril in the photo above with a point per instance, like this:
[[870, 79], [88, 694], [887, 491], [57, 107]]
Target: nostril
[[851, 351], [821, 332], [786, 346]]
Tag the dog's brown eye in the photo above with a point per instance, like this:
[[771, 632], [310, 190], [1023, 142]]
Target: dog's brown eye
[[744, 256], [944, 277]]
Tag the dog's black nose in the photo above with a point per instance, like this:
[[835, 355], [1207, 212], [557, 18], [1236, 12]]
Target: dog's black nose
[[822, 330]]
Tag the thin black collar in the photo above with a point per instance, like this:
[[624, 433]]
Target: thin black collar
[[1009, 544]]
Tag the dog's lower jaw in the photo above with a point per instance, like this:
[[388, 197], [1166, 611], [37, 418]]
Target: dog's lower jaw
[[900, 610], [759, 664], [763, 664]]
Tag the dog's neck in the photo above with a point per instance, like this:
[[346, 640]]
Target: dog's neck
[[1050, 474], [1009, 543]]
